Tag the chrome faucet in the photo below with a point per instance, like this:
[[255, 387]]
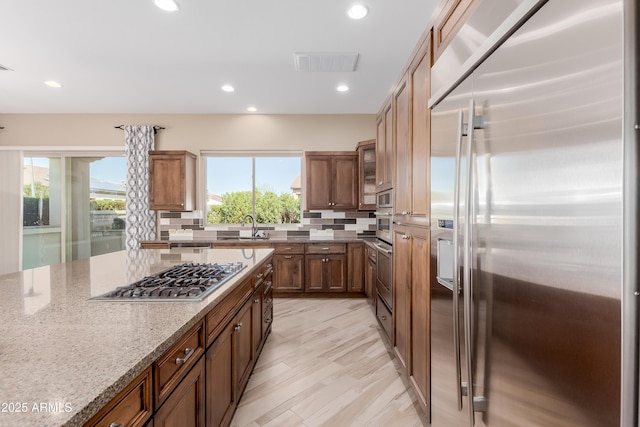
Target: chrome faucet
[[254, 229]]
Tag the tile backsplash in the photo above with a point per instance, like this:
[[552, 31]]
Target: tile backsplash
[[314, 224]]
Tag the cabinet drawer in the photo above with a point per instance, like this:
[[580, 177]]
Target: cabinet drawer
[[329, 248], [286, 248], [263, 272], [384, 317], [131, 407], [171, 367], [220, 315]]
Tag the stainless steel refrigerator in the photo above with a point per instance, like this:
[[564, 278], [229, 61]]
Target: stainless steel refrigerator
[[534, 297]]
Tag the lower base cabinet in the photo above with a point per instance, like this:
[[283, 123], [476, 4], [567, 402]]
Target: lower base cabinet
[[186, 405], [194, 386]]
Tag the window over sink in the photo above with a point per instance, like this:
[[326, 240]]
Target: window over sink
[[266, 186]]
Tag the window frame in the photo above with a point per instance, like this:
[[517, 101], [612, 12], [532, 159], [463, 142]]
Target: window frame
[[253, 154]]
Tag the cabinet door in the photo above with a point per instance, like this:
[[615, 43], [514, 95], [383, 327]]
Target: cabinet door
[[335, 273], [345, 182], [420, 73], [420, 321], [355, 267], [380, 148], [288, 273], [172, 180], [221, 401], [401, 293], [256, 318], [403, 163], [367, 175], [244, 345], [185, 407], [314, 274], [388, 149], [370, 277], [318, 177]]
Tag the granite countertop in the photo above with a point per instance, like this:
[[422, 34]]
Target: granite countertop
[[70, 356]]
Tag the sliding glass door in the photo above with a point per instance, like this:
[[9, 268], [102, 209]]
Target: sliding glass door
[[73, 207]]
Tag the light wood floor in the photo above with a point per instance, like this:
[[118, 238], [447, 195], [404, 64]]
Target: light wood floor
[[325, 364]]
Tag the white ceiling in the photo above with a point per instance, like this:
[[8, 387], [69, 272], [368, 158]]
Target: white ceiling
[[128, 56]]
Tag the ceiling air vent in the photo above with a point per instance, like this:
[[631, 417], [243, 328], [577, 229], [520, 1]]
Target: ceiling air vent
[[325, 62], [3, 68]]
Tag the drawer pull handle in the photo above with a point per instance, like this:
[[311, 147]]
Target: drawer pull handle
[[259, 276], [187, 354], [406, 212], [238, 327], [116, 425], [257, 300], [288, 257], [287, 249], [325, 249], [269, 300], [383, 317]]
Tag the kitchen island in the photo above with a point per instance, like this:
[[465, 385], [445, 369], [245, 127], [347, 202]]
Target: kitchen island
[[63, 357]]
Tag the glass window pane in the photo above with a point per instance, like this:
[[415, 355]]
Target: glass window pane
[[278, 190], [229, 189], [42, 208]]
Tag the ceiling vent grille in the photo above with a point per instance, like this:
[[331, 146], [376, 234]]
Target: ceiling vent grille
[[3, 68], [325, 62]]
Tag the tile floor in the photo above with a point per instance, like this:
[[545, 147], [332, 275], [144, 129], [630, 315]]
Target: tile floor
[[325, 364]]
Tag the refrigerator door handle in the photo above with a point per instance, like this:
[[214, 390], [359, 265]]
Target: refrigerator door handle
[[475, 403], [460, 386]]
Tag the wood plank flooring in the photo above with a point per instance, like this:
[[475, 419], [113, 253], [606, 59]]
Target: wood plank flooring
[[325, 364]]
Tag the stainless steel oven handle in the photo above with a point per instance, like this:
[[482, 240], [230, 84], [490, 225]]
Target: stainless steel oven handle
[[382, 213], [455, 286], [380, 248]]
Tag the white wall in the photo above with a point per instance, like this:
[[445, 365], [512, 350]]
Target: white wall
[[192, 132]]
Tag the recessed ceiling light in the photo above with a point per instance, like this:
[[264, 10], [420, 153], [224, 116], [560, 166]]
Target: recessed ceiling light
[[227, 88], [52, 83], [252, 109], [342, 88], [357, 11], [168, 5]]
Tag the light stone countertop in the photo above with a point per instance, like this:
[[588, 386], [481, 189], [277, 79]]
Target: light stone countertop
[[63, 357]]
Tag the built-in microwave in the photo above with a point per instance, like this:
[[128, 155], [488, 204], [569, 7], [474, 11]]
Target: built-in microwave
[[384, 216]]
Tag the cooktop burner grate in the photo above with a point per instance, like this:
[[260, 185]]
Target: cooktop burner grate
[[185, 282]]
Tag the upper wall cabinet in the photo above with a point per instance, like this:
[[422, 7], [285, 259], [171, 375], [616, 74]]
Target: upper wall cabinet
[[413, 138], [367, 174], [332, 180], [172, 180], [452, 16], [384, 148]]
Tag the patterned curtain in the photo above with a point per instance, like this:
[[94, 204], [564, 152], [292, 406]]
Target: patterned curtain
[[140, 221]]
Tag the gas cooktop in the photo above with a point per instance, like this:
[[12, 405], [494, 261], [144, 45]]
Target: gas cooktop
[[185, 282]]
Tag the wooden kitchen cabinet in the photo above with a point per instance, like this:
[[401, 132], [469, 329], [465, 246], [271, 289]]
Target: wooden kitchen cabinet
[[131, 407], [370, 273], [411, 306], [412, 138], [355, 267], [170, 368], [288, 262], [186, 405], [384, 148], [367, 174], [452, 16], [326, 267], [172, 180], [331, 180], [221, 400]]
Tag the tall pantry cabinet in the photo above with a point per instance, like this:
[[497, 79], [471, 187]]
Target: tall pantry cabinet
[[411, 245]]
